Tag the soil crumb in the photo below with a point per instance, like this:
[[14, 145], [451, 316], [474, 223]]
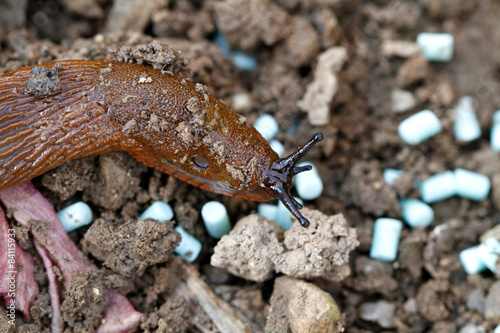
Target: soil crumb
[[322, 249], [70, 177], [366, 188], [159, 55], [129, 247], [44, 82], [84, 301], [253, 249], [247, 300], [249, 249], [172, 317], [115, 181]]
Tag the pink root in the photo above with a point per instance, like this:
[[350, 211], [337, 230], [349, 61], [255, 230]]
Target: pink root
[[32, 210], [57, 324], [119, 315], [18, 285]]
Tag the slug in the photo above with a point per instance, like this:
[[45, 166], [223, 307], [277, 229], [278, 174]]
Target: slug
[[53, 113]]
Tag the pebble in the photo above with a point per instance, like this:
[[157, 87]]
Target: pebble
[[299, 306], [241, 102], [381, 312], [475, 301], [473, 328], [321, 91], [438, 187], [308, 183], [471, 185], [416, 213], [400, 48], [390, 175], [159, 210], [99, 38], [493, 232], [492, 303], [419, 127], [75, 216], [216, 220], [267, 126], [466, 127], [189, 248], [470, 260], [436, 46], [411, 306], [402, 100], [385, 239]]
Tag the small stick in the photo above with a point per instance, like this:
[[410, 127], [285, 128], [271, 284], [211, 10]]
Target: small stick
[[223, 315]]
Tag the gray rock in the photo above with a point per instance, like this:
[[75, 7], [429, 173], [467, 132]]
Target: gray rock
[[381, 312], [475, 301], [492, 304]]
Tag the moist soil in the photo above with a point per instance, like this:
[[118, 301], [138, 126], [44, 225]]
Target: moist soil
[[426, 287]]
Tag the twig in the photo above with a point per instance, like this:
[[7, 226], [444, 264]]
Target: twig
[[224, 317]]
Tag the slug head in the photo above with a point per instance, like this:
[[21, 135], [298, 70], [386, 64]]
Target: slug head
[[174, 126], [278, 179]]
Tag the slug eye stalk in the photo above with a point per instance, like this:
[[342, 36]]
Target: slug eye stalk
[[279, 178]]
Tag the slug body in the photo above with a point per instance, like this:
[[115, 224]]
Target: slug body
[[162, 120]]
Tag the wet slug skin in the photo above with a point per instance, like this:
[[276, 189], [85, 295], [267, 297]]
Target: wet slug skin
[[53, 113]]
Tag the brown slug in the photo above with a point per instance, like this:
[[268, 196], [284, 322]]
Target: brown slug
[[53, 113]]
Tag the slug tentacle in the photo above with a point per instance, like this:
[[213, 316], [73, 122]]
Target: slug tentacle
[[300, 169], [279, 178]]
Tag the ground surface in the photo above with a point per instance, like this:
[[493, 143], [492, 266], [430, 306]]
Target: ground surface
[[426, 289]]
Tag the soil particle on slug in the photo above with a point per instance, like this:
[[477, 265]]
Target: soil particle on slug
[[44, 82]]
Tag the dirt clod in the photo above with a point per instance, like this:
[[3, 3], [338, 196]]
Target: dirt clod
[[261, 21], [433, 301], [322, 249], [254, 245], [71, 177], [131, 247], [116, 180], [366, 189], [249, 249], [44, 82], [84, 300], [172, 317], [414, 71]]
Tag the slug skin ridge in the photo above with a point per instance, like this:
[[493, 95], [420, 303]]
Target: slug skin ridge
[[159, 118], [37, 134]]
